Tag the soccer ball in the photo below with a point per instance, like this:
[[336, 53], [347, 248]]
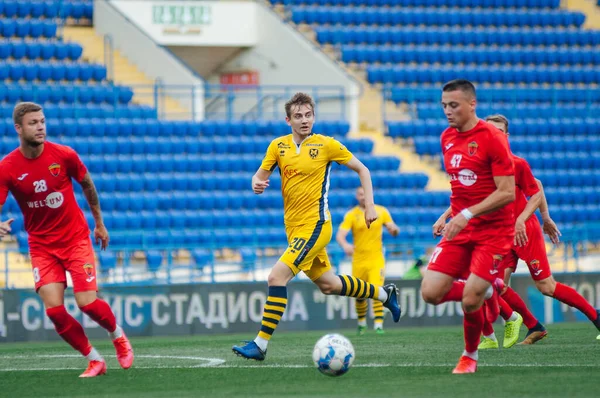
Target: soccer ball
[[333, 354]]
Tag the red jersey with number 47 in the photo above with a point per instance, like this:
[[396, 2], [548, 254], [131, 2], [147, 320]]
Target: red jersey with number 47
[[472, 159], [43, 189], [525, 184]]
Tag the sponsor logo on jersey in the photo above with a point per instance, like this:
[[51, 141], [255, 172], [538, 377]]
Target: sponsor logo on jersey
[[467, 177], [282, 153], [313, 153], [53, 201], [54, 169], [450, 145], [89, 271], [22, 176], [473, 148], [282, 145], [313, 144]]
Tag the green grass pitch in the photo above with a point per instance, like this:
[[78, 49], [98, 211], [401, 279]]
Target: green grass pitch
[[405, 362]]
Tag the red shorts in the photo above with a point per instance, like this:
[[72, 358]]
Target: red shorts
[[474, 250], [50, 264], [533, 253]]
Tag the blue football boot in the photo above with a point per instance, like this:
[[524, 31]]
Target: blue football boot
[[392, 301], [250, 351]]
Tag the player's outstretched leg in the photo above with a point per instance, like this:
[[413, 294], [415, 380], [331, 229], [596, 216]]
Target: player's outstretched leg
[[272, 313], [72, 332], [102, 314], [536, 331], [362, 307], [569, 296], [354, 287]]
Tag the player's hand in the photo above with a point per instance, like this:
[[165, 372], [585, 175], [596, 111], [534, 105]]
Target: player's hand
[[101, 236], [259, 186], [551, 230], [394, 230], [520, 233], [370, 215], [5, 227], [457, 224], [438, 227], [349, 249]]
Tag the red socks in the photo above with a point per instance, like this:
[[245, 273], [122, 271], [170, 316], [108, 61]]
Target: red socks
[[473, 326], [101, 312], [69, 329], [569, 296], [505, 310], [455, 293]]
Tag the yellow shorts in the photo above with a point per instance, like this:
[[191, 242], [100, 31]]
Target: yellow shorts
[[306, 250], [371, 269]]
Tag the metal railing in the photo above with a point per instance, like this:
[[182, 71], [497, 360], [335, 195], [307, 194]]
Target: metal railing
[[166, 262]]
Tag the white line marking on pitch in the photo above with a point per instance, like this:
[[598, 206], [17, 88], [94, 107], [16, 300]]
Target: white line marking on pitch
[[220, 363]]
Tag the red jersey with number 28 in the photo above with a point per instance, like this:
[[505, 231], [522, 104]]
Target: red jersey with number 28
[[43, 189], [472, 159]]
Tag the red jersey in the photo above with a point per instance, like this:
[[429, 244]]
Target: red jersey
[[525, 185], [44, 191], [472, 159]]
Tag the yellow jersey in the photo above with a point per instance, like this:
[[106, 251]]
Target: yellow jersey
[[305, 171], [366, 240]]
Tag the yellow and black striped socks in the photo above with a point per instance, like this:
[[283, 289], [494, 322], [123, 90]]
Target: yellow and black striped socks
[[362, 307], [354, 287], [378, 312], [273, 311]]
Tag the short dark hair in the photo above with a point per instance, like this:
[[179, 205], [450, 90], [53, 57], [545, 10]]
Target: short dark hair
[[460, 84], [498, 118], [23, 108], [299, 99]]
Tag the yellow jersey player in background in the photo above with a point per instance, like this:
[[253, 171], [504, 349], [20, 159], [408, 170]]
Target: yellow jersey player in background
[[304, 160], [368, 262]]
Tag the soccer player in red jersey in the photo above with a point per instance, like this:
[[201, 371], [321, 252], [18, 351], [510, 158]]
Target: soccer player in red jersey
[[39, 175], [529, 246], [480, 234]]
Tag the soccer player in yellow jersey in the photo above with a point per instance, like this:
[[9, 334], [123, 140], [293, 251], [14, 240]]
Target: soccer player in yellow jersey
[[368, 262], [304, 160]]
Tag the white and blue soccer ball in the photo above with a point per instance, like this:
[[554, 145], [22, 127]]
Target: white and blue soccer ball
[[333, 354]]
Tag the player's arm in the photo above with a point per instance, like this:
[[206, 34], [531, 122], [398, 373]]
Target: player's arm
[[389, 224], [93, 201], [4, 225], [260, 179], [440, 224], [340, 238], [548, 225], [520, 230], [365, 181]]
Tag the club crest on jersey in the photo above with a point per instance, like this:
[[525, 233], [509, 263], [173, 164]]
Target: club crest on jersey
[[535, 264], [54, 169], [472, 148], [88, 269], [313, 153]]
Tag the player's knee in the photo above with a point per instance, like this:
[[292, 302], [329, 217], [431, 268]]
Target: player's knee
[[327, 288], [431, 296], [471, 303], [274, 280], [546, 287]]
